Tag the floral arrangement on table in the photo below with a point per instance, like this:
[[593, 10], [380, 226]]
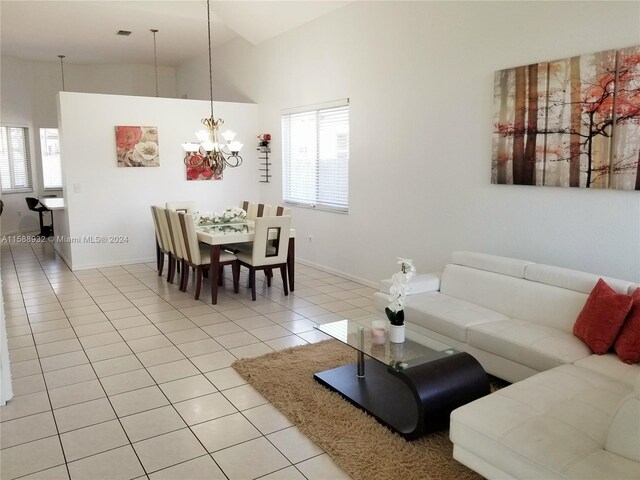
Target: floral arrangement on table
[[398, 291], [230, 215], [228, 229]]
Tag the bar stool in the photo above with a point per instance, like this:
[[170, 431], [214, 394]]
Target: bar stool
[[32, 204]]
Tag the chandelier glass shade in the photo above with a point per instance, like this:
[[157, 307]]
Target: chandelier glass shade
[[210, 152]]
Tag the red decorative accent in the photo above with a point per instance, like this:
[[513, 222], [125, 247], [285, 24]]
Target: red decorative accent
[[127, 137], [195, 160], [602, 317], [199, 173], [627, 345]]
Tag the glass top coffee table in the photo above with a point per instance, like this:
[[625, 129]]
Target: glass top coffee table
[[409, 387]]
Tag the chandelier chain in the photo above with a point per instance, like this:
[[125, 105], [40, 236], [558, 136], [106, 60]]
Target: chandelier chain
[[155, 57], [62, 70], [211, 154], [210, 66]]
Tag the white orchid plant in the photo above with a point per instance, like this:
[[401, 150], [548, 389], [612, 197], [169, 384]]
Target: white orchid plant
[[399, 290]]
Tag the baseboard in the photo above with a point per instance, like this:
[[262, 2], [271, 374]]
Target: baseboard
[[340, 273], [29, 233], [62, 256], [76, 268]]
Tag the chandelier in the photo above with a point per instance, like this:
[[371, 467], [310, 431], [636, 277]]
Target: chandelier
[[211, 152]]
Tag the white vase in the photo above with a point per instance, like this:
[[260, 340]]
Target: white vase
[[396, 333]]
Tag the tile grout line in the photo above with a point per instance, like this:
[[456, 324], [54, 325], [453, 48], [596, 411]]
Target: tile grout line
[[218, 391], [162, 293], [106, 396], [163, 393], [55, 422]]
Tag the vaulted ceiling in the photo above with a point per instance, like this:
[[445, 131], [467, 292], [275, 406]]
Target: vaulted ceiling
[[85, 31]]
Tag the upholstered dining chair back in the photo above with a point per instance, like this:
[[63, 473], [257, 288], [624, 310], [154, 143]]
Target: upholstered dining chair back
[[191, 245], [162, 228], [186, 207], [156, 227], [271, 240], [263, 210], [251, 208], [280, 211], [176, 233]]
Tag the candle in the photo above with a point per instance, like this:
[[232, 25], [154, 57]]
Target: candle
[[378, 332]]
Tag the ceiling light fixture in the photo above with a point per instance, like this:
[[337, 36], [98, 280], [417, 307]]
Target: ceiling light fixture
[[155, 57], [210, 152], [62, 69]]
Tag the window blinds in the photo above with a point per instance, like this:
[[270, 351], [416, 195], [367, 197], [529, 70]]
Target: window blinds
[[315, 154], [15, 160]]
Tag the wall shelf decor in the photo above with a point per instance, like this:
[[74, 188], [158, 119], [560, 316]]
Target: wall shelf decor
[[263, 155], [573, 122]]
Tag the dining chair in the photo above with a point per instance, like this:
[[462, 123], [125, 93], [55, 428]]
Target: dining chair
[[279, 211], [177, 242], [198, 256], [263, 210], [167, 242], [161, 248], [266, 254], [245, 204], [255, 210], [186, 207]]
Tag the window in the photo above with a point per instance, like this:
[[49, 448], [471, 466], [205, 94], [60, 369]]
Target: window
[[15, 160], [51, 167], [315, 156]]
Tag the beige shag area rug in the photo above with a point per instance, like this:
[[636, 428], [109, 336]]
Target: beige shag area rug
[[357, 442]]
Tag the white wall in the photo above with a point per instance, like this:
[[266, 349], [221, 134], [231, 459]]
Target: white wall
[[28, 98], [419, 76], [115, 201]]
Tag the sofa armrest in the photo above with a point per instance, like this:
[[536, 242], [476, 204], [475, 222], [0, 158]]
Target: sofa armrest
[[423, 283]]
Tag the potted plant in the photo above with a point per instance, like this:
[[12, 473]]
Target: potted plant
[[398, 299]]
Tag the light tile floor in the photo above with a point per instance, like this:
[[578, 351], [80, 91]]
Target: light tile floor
[[118, 374]]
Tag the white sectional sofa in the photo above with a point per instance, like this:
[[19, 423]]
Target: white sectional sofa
[[570, 413]]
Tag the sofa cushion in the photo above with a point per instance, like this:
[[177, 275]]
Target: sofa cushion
[[547, 305], [551, 425], [623, 437], [425, 282], [627, 344], [536, 346], [610, 366], [571, 279], [602, 317], [487, 289], [447, 315], [491, 263]]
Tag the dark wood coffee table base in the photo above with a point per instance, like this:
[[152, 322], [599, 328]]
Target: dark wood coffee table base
[[413, 401]]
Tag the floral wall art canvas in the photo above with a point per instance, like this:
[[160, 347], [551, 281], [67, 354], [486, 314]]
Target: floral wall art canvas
[[137, 146], [572, 123], [198, 168]]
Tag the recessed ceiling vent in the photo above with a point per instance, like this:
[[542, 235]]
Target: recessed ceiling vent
[[123, 33]]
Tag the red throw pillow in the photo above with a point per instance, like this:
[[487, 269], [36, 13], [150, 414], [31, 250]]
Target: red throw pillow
[[627, 345], [602, 317]]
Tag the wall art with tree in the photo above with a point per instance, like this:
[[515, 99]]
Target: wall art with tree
[[573, 122]]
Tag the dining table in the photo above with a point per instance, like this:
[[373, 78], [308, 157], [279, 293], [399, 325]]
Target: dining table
[[217, 235]]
